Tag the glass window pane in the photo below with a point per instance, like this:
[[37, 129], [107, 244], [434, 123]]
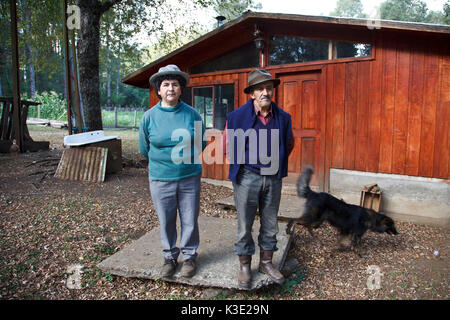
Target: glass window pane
[[224, 104], [246, 56], [352, 50], [203, 103], [286, 49]]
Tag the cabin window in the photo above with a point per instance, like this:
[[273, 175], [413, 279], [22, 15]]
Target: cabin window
[[212, 102], [246, 56], [288, 49]]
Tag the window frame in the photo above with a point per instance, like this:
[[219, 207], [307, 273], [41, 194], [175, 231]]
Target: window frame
[[213, 98], [331, 43], [204, 84]]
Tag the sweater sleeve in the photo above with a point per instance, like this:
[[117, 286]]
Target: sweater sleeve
[[197, 117], [144, 143], [204, 143]]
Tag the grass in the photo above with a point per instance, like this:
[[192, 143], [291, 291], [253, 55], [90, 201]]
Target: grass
[[124, 118]]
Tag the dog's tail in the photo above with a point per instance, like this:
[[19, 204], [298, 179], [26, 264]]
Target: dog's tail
[[303, 188]]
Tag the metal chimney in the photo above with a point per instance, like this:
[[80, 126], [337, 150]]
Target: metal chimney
[[220, 20]]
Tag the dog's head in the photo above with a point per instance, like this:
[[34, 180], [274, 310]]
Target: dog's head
[[382, 223]]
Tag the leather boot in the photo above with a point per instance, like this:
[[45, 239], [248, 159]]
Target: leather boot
[[266, 266], [245, 271]]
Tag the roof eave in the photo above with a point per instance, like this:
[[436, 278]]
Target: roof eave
[[356, 22]]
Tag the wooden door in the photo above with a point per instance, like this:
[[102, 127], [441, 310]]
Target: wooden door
[[302, 96]]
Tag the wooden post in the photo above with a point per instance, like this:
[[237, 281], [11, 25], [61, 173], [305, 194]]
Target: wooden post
[[115, 117], [330, 49], [68, 84], [77, 92], [18, 133], [135, 117]]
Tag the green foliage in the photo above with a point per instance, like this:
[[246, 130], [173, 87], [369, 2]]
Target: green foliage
[[446, 14], [233, 9], [409, 10], [174, 34], [348, 8], [52, 106]]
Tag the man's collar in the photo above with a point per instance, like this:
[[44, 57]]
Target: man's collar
[[258, 112]]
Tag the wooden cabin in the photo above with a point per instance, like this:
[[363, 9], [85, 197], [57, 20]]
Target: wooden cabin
[[363, 95]]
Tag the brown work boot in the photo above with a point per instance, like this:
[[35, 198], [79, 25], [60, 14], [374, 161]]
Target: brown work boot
[[245, 271], [188, 268], [169, 267], [266, 266]]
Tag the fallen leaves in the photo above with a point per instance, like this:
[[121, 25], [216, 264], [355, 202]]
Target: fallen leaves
[[44, 231]]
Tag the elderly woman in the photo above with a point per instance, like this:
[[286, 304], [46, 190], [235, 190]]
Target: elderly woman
[[169, 138]]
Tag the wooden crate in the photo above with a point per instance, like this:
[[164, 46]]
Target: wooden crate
[[371, 197]]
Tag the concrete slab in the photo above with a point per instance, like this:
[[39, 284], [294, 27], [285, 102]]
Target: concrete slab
[[405, 198], [290, 206], [217, 265]]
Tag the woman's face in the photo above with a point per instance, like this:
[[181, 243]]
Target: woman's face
[[170, 92]]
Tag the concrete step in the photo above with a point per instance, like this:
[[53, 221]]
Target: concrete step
[[217, 264]]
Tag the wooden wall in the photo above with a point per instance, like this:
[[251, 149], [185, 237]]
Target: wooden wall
[[390, 114]]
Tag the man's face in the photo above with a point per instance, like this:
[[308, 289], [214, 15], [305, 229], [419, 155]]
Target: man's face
[[262, 94], [170, 92]]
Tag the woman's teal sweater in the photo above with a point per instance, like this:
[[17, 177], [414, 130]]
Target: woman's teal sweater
[[172, 140]]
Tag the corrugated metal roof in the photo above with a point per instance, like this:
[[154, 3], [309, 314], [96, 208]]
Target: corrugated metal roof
[[83, 163]]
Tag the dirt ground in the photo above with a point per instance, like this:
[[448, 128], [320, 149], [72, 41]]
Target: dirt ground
[[48, 225]]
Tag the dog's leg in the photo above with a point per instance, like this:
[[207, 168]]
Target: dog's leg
[[290, 227], [356, 245], [344, 242], [310, 231]]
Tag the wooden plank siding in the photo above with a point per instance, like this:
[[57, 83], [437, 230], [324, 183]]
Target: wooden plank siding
[[388, 114], [375, 106], [441, 148], [428, 121], [405, 94]]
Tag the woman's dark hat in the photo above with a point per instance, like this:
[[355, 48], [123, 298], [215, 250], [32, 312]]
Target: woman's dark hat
[[258, 76], [170, 69]]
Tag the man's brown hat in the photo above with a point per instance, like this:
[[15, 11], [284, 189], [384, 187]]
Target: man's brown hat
[[258, 76]]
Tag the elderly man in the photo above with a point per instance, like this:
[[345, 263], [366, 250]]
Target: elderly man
[[259, 140]]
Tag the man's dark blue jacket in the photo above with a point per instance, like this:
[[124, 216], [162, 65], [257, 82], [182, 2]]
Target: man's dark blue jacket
[[244, 118]]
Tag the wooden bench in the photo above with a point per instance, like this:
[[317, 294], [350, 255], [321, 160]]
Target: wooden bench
[[7, 131]]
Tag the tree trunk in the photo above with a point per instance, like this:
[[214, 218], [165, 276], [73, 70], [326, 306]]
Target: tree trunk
[[88, 54], [88, 58]]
